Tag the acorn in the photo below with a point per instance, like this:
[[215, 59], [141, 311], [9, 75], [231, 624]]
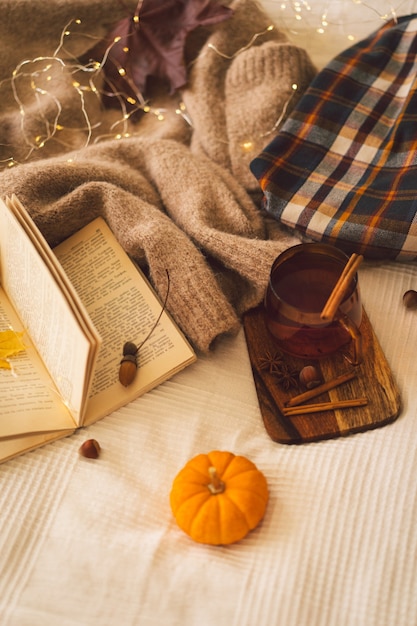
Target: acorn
[[130, 348], [310, 377], [90, 449], [128, 364], [410, 299]]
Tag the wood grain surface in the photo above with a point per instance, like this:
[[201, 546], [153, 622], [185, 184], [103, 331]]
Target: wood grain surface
[[373, 380]]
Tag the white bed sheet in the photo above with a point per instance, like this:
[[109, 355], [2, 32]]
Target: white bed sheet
[[86, 543], [94, 542]]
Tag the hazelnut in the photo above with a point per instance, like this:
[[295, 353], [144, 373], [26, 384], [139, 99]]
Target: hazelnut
[[310, 377], [410, 299], [90, 449]]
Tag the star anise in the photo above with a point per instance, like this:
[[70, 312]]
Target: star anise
[[272, 362], [287, 377]]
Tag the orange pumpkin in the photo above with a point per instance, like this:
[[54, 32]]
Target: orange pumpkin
[[217, 498]]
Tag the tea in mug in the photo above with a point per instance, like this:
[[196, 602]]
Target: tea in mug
[[301, 281]]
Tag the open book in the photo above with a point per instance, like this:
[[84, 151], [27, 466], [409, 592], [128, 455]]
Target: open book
[[77, 305]]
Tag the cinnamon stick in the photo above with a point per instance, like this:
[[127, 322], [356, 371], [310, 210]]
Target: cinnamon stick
[[324, 406], [312, 393], [341, 287]]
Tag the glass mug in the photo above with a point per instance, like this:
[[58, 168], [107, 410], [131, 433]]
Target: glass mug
[[300, 283]]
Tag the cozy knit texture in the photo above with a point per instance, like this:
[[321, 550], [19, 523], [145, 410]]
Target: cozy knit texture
[[268, 79], [173, 206], [240, 87], [206, 105], [213, 226]]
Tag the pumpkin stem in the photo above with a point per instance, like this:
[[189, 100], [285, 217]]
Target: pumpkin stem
[[216, 485]]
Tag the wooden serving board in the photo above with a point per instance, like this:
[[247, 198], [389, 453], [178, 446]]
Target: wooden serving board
[[373, 380]]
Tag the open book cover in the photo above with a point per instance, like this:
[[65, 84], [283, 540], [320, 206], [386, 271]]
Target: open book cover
[[76, 306]]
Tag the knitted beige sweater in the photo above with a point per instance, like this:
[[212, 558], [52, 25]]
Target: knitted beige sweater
[[178, 197]]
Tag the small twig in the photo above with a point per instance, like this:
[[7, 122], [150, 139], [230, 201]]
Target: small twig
[[324, 406], [129, 363], [159, 316], [341, 287], [312, 393]]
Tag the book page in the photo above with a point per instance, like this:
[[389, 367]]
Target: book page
[[123, 307], [44, 310], [81, 316], [29, 402], [10, 448]]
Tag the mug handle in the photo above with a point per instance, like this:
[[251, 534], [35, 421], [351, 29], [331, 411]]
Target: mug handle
[[356, 357]]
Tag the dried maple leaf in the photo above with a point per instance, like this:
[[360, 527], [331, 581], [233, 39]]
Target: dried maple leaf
[[10, 344], [151, 43]]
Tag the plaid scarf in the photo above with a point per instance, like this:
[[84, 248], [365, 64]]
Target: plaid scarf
[[343, 168]]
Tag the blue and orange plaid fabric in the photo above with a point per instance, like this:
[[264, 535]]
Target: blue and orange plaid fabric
[[343, 167]]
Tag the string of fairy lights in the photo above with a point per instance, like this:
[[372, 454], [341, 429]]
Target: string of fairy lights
[[37, 77], [299, 11]]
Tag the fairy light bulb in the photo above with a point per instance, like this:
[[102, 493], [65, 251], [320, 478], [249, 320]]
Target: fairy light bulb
[[87, 79], [92, 71], [247, 146], [182, 111]]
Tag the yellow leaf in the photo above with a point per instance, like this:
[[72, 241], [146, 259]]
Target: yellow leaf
[[10, 344]]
